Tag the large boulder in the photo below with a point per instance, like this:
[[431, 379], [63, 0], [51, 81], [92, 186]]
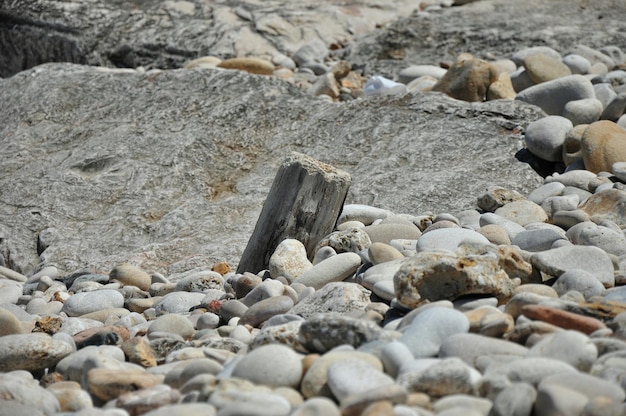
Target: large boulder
[[169, 170]]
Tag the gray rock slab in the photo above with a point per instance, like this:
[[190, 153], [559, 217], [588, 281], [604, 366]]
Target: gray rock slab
[[122, 179]]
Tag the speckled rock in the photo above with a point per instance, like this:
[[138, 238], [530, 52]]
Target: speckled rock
[[31, 352]]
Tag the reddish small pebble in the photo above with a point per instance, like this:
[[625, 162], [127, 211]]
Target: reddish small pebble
[[562, 319]]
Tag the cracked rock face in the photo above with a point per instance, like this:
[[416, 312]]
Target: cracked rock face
[[431, 276], [169, 170]]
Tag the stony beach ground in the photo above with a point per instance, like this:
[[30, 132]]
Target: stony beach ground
[[515, 307]]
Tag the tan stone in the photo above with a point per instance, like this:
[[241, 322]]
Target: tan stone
[[571, 146], [251, 65], [9, 324], [138, 351], [502, 88], [467, 79], [541, 68], [602, 144], [108, 384], [381, 253], [221, 267], [495, 234], [203, 62], [129, 275]]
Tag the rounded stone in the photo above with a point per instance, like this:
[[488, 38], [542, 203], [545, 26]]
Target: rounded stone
[[594, 260], [415, 71], [430, 328], [317, 406], [580, 281], [9, 324], [31, 352], [468, 79], [583, 111], [385, 232], [448, 239], [571, 347], [179, 302], [542, 68], [19, 388], [251, 65], [348, 377], [129, 275], [382, 253], [289, 260], [265, 309], [519, 56], [603, 144], [271, 365], [545, 137], [333, 269], [495, 234], [87, 302], [577, 64], [10, 291], [200, 282], [172, 324], [537, 240], [551, 96]]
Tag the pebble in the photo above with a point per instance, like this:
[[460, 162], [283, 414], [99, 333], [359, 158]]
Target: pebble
[[552, 96], [173, 324], [519, 56], [581, 281], [9, 324], [251, 65], [583, 111], [469, 347], [514, 400], [415, 71], [545, 137], [385, 232], [381, 253], [317, 406], [577, 64], [571, 347], [289, 260], [448, 239], [87, 302], [349, 377], [31, 352], [425, 334], [563, 319], [20, 388], [468, 79], [603, 144], [542, 68], [333, 269], [594, 260], [200, 282], [272, 365], [129, 275], [179, 302], [265, 309], [339, 297]]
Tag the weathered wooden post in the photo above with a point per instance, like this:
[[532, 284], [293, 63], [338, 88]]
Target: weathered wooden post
[[303, 203]]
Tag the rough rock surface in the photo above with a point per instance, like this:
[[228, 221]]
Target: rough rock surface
[[169, 170]]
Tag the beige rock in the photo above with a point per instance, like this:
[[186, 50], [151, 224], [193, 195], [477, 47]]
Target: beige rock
[[129, 275], [603, 143], [467, 79], [501, 88], [9, 324], [325, 85], [289, 260], [432, 276], [607, 205], [70, 396], [203, 62], [571, 146], [108, 384], [138, 351], [381, 253], [495, 234], [523, 212], [314, 382], [251, 65], [542, 68]]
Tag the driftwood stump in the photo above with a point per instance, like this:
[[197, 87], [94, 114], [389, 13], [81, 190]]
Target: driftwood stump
[[303, 203]]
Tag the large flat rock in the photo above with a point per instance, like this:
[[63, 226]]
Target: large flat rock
[[169, 169]]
